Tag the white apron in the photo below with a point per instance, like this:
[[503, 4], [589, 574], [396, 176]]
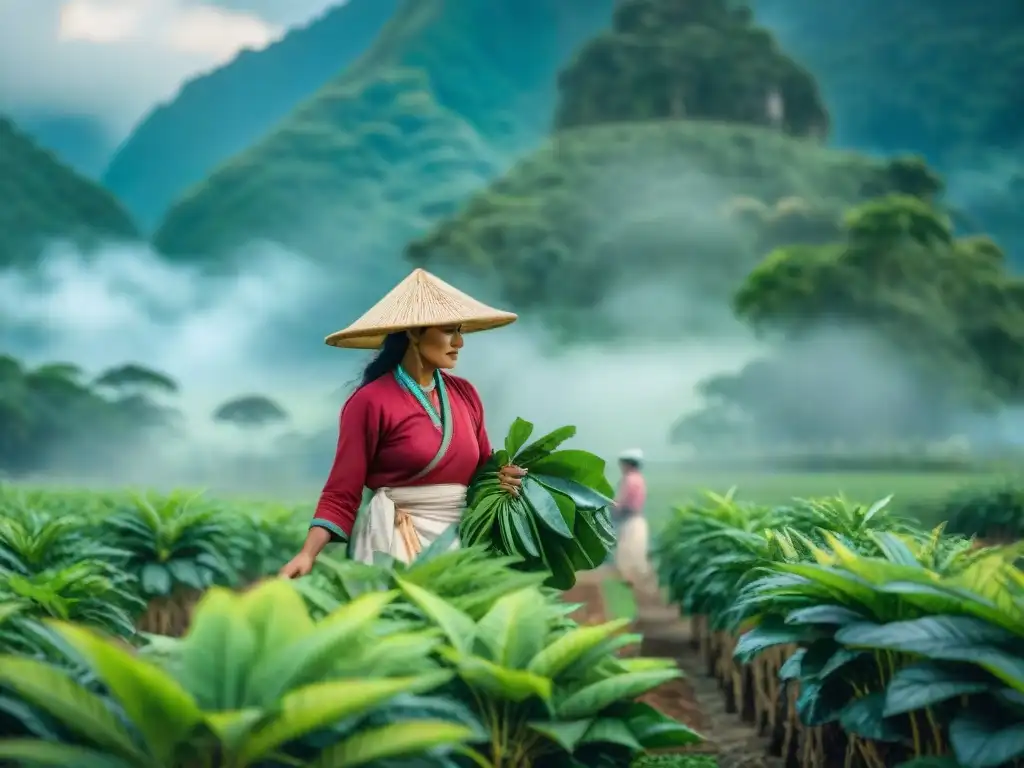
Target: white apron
[[401, 522], [631, 549]]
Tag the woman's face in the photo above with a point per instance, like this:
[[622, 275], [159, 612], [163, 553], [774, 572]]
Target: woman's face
[[439, 347]]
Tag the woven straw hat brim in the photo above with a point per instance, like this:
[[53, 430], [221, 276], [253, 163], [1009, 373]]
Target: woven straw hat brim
[[421, 300]]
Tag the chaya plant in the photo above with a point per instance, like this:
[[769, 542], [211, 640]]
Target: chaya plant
[[914, 664], [547, 695], [86, 592], [560, 522], [469, 578], [176, 550], [262, 539], [255, 682], [32, 540]]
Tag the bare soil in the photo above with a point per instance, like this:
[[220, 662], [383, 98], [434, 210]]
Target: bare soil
[[695, 699]]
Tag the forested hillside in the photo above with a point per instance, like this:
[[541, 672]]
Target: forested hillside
[[220, 114], [446, 96], [42, 200], [690, 145]]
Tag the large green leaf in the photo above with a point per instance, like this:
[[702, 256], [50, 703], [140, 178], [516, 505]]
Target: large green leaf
[[546, 508], [580, 466], [582, 497], [980, 742], [315, 706], [865, 717], [837, 615], [542, 446], [514, 630], [759, 639], [500, 682], [79, 710], [950, 638], [218, 652], [156, 705], [565, 733], [406, 739], [926, 684], [314, 656], [571, 646], [25, 753], [518, 434], [655, 730], [592, 699], [458, 628], [611, 730]]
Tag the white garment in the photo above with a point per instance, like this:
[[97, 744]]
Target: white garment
[[631, 549], [423, 511]]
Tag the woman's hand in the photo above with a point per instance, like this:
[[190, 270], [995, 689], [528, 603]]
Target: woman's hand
[[510, 477], [298, 566]]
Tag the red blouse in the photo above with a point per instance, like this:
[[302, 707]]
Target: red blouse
[[386, 437]]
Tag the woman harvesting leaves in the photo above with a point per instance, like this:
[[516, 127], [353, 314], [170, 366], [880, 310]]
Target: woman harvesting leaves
[[411, 433]]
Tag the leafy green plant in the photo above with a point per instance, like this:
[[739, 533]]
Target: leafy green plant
[[905, 658], [895, 636], [86, 592], [993, 512], [559, 523], [255, 682], [32, 540], [263, 539], [548, 695], [470, 578], [177, 549]]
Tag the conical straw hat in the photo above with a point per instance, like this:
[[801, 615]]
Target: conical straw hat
[[420, 301]]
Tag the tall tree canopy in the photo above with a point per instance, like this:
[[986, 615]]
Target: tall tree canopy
[[51, 418], [689, 59], [250, 411], [907, 325]]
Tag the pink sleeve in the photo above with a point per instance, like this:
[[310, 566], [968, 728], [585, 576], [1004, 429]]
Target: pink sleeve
[[358, 434]]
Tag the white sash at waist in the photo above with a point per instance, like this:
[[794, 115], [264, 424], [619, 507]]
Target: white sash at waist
[[402, 521]]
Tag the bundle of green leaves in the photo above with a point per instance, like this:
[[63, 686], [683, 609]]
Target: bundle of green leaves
[[559, 522]]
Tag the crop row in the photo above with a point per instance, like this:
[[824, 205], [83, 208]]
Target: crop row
[[456, 660], [124, 562], [852, 637]]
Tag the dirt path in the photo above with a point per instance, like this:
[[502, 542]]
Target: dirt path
[[696, 699]]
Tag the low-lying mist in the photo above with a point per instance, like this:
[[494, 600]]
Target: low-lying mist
[[260, 330]]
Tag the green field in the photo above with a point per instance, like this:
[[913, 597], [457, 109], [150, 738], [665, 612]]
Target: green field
[[668, 487]]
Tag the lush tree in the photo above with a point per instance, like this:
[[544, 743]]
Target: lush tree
[[906, 325], [51, 417], [688, 59], [250, 412], [42, 200], [133, 379]]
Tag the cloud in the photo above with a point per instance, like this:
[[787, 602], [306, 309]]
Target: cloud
[[174, 25], [113, 59]]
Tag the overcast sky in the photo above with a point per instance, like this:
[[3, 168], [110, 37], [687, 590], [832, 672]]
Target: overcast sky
[[115, 59]]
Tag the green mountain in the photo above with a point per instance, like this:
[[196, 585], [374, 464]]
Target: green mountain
[[939, 77], [649, 186], [80, 141], [221, 113], [42, 200], [685, 205], [448, 94]]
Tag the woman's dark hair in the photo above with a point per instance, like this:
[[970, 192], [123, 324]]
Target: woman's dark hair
[[385, 361]]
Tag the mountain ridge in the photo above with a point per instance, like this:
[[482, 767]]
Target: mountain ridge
[[165, 154], [44, 200]]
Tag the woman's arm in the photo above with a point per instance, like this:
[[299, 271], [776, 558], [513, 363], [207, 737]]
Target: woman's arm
[[358, 436]]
